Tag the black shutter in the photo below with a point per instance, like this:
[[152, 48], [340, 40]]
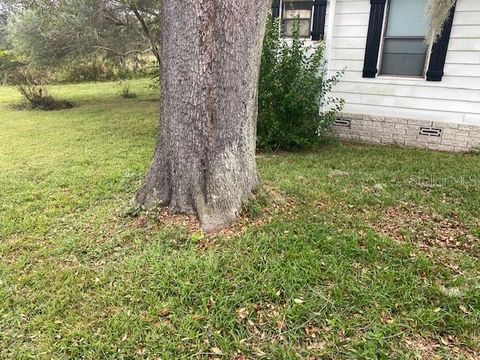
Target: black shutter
[[319, 14], [374, 36], [275, 9], [439, 50]]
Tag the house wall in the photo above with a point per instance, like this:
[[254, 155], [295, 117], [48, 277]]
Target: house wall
[[392, 109]]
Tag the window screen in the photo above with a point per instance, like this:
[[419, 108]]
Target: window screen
[[297, 9], [404, 51]]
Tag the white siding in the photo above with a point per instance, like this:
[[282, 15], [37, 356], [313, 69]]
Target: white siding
[[455, 99]]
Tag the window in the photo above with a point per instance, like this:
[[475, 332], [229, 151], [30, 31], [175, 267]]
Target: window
[[296, 9], [404, 50]]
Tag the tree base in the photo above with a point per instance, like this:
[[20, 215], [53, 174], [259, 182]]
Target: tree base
[[211, 218]]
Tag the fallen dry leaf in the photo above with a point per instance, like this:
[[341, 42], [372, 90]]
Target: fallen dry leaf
[[216, 351], [242, 313], [165, 312]]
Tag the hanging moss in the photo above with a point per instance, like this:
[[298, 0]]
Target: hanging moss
[[437, 14]]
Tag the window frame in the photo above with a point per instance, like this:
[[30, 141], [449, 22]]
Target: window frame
[[282, 19], [428, 50]]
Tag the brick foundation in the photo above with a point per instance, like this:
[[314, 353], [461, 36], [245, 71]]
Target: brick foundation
[[408, 132]]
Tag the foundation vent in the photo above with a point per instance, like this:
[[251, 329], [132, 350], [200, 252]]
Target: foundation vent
[[430, 131], [343, 123]]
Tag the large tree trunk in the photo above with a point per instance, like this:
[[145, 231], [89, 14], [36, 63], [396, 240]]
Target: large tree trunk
[[204, 161]]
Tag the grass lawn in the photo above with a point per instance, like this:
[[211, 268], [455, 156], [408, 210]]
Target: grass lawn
[[349, 251]]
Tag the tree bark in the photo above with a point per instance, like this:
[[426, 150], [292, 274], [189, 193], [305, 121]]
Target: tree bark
[[204, 161]]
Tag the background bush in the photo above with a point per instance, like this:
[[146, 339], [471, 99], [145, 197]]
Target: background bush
[[293, 87], [103, 69], [125, 91], [85, 70], [33, 89]]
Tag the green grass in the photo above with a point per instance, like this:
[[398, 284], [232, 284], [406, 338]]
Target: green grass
[[362, 252]]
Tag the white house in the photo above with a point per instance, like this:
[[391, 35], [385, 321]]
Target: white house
[[396, 90]]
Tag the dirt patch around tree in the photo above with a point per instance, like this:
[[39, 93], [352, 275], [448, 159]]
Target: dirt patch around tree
[[266, 203]]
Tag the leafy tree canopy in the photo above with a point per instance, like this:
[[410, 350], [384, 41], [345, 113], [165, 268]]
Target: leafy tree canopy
[[50, 32]]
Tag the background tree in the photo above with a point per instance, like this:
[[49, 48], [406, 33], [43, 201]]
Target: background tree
[[204, 162], [52, 32], [3, 27], [7, 8]]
